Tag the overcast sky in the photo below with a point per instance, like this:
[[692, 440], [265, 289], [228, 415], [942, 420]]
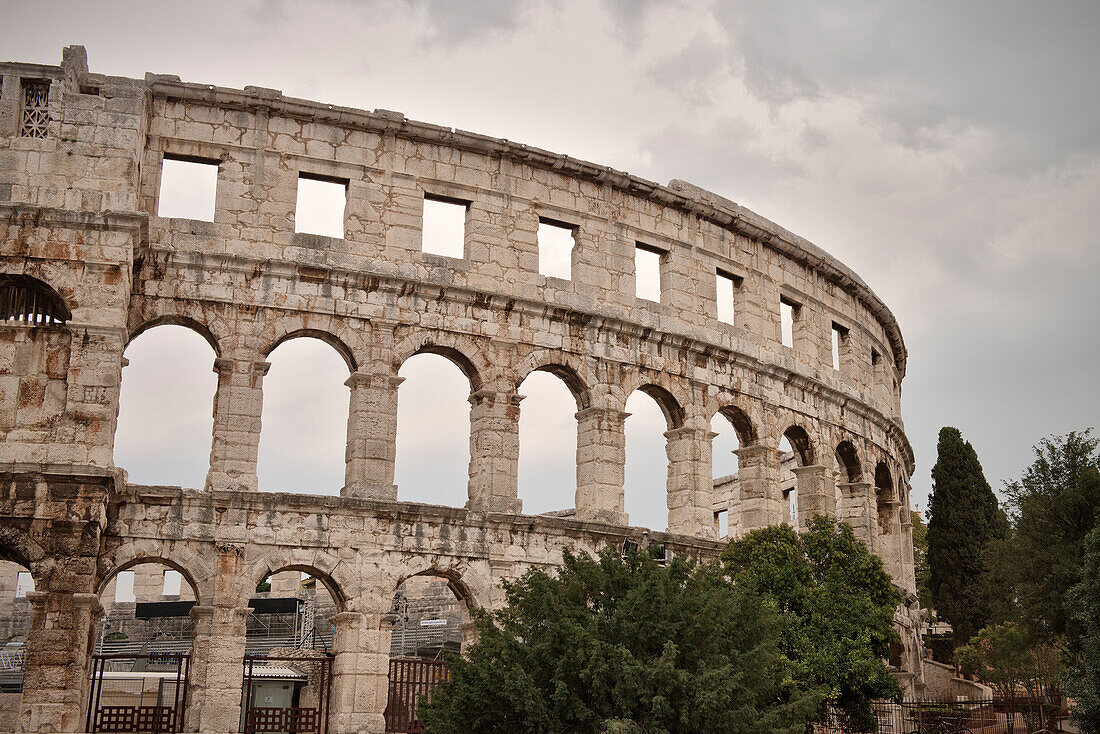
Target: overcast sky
[[947, 152]]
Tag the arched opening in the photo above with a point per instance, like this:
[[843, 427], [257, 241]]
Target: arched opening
[[293, 608], [430, 615], [794, 450], [289, 650], [433, 431], [305, 418], [732, 430], [846, 470], [27, 299], [547, 444], [884, 496], [652, 412], [16, 582], [143, 643], [165, 412], [145, 608]]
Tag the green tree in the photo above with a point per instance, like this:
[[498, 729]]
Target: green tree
[[625, 646], [1083, 679], [920, 556], [964, 519], [837, 605], [1054, 506], [1005, 657]]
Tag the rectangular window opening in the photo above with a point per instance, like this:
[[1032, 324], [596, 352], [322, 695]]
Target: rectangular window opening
[[875, 358], [24, 584], [172, 582], [722, 521], [839, 340], [556, 249], [647, 272], [444, 228], [788, 313], [319, 208], [35, 121], [124, 586], [188, 189], [727, 285]]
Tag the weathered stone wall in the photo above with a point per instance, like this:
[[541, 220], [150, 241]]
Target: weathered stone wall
[[78, 201]]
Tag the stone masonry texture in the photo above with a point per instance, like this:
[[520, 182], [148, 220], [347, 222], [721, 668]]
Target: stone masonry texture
[[80, 181]]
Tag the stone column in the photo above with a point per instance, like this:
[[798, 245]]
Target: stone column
[[857, 509], [238, 404], [601, 463], [815, 494], [55, 677], [217, 669], [372, 436], [494, 451], [690, 482], [758, 484], [360, 673], [888, 539], [905, 553]]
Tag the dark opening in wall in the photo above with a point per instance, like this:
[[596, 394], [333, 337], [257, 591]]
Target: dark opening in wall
[[319, 208], [35, 120], [29, 300], [188, 188], [556, 242], [444, 227]]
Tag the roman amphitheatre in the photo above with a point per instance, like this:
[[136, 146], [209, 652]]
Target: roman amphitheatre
[[803, 351]]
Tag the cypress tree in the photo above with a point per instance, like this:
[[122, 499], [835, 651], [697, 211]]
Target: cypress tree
[[963, 520]]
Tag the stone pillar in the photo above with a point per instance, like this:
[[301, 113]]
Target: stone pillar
[[601, 463], [55, 677], [690, 482], [888, 540], [238, 404], [494, 452], [815, 494], [217, 669], [857, 509], [905, 552], [372, 436], [758, 484], [360, 685]]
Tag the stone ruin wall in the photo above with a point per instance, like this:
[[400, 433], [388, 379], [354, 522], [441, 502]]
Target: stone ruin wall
[[79, 187]]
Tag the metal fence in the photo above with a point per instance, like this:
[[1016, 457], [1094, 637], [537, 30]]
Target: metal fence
[[1015, 716]]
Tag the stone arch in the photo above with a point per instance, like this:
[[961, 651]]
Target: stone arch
[[320, 566], [130, 555], [742, 424], [800, 441], [848, 459], [177, 320], [566, 367], [884, 485], [24, 298], [672, 408], [332, 340], [18, 547], [470, 587], [465, 353]]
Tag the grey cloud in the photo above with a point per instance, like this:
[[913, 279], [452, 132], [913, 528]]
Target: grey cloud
[[1023, 69], [691, 72]]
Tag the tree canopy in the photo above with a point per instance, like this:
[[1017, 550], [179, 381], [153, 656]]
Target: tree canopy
[[964, 519], [837, 606], [1053, 506], [1083, 679], [624, 645]]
